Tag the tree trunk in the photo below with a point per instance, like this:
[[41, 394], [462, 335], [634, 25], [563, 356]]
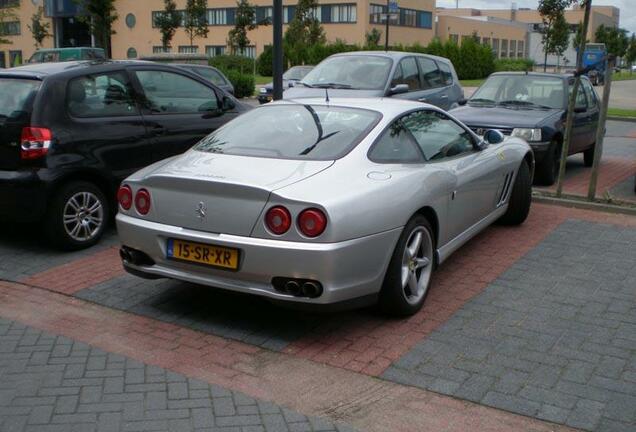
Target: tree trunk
[[570, 118], [545, 60], [600, 131]]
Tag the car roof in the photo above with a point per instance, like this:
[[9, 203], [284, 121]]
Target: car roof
[[186, 65], [396, 55], [535, 74], [387, 106], [68, 49], [42, 70]]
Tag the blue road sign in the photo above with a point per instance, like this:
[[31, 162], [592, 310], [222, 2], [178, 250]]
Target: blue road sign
[[393, 7]]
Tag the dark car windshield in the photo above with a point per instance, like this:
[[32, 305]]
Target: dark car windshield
[[521, 91], [296, 73], [307, 132], [17, 96], [363, 72]]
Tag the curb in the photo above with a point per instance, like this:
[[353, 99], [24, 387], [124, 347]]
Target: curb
[[572, 203], [623, 119]]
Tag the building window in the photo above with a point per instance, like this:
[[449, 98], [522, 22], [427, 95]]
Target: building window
[[158, 49], [454, 38], [9, 3], [214, 50], [249, 51], [495, 47], [408, 17], [217, 16], [15, 58], [424, 19], [131, 53], [521, 52], [11, 28], [188, 49], [288, 14], [375, 14], [346, 13], [3, 62], [264, 15], [504, 48], [513, 48], [131, 20], [485, 41]]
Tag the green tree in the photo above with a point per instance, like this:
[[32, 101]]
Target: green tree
[[244, 20], [372, 38], [168, 21], [630, 54], [99, 15], [7, 15], [578, 35], [615, 39], [555, 28], [303, 31], [195, 20], [39, 29]]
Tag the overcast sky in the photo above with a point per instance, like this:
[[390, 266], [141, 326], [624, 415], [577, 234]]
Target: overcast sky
[[628, 18]]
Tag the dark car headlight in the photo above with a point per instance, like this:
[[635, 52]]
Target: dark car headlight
[[527, 134]]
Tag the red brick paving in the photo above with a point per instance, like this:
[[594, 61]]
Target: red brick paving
[[369, 344], [363, 402], [79, 274], [612, 172]]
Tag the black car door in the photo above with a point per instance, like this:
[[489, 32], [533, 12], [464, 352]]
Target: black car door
[[178, 109], [106, 124], [593, 112], [582, 119]]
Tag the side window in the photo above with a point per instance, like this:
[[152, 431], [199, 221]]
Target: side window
[[590, 94], [396, 145], [447, 75], [101, 95], [581, 99], [437, 135], [431, 76], [407, 73], [171, 93]]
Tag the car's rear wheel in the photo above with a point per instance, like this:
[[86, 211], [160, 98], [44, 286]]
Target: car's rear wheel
[[547, 170], [520, 198], [77, 216], [588, 156], [408, 277]]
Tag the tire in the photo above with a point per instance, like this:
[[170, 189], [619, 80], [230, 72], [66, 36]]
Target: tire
[[520, 198], [547, 171], [73, 203], [588, 156], [396, 297]]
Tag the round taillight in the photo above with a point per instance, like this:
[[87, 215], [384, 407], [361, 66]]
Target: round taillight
[[125, 197], [312, 222], [142, 201], [278, 220]]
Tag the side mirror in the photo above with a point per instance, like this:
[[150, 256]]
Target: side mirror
[[290, 84], [493, 136], [579, 110], [227, 104], [398, 89], [462, 101]]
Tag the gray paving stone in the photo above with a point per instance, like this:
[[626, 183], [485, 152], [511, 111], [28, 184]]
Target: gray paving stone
[[553, 337], [171, 402]]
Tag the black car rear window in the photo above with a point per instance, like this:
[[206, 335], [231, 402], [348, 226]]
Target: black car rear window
[[309, 132], [17, 96]]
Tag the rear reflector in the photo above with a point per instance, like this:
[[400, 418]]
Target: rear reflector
[[142, 201], [125, 197], [34, 142], [278, 220], [312, 222]]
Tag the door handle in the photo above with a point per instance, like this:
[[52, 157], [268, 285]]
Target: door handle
[[158, 130], [422, 100], [444, 97]]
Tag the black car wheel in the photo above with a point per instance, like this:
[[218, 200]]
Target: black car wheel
[[588, 156], [547, 170], [520, 198], [77, 216]]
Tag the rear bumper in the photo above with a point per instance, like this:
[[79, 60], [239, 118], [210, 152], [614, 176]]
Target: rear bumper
[[22, 196], [347, 270]]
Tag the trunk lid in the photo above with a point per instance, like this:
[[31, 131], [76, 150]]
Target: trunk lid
[[230, 190], [17, 95]]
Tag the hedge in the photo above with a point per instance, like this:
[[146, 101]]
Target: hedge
[[233, 62], [243, 83], [520, 65]]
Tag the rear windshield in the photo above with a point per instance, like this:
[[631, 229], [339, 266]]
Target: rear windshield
[[358, 72], [307, 132], [17, 96]]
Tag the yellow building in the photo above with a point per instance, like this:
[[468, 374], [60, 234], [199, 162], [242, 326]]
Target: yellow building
[[136, 35]]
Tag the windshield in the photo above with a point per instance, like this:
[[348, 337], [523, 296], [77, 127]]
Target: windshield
[[363, 72], [521, 91], [296, 131], [17, 96], [296, 73]]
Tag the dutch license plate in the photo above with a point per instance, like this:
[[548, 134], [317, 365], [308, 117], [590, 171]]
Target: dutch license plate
[[215, 256]]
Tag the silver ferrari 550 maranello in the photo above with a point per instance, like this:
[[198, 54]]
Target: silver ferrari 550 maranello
[[327, 202]]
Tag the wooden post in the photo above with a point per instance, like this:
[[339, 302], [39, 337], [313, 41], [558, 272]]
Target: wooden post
[[278, 49], [600, 131]]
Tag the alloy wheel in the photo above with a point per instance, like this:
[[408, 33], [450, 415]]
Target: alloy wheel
[[417, 264], [83, 216]]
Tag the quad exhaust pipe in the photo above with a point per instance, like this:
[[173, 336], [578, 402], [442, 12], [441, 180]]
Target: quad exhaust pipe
[[135, 257], [297, 287]]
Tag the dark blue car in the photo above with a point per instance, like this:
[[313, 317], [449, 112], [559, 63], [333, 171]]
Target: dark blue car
[[533, 106]]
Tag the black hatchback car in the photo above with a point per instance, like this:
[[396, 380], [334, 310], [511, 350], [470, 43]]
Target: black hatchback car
[[70, 132], [533, 106]]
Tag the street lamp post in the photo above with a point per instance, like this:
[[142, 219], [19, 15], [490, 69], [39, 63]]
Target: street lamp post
[[278, 49], [386, 30]]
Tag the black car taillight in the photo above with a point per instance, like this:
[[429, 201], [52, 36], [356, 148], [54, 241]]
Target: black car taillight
[[34, 142]]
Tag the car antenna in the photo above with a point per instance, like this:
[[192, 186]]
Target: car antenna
[[327, 95]]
